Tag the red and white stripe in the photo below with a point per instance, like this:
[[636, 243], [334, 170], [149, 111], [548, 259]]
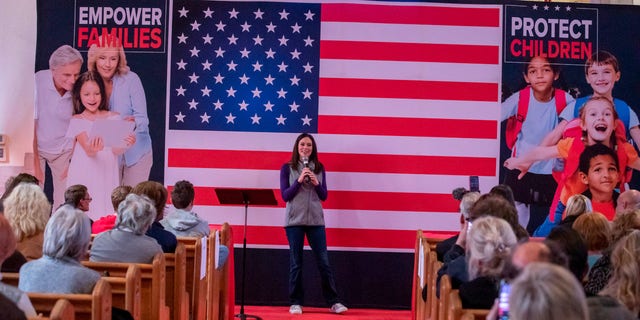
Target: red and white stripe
[[409, 102]]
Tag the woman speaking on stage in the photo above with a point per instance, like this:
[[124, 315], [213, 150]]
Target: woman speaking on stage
[[303, 184]]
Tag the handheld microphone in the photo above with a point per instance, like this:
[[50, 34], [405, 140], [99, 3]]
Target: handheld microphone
[[305, 161]]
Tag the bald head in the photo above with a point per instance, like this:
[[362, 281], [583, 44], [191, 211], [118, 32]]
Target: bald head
[[528, 252], [628, 200]]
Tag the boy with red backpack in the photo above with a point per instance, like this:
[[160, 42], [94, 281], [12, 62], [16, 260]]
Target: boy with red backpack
[[531, 114]]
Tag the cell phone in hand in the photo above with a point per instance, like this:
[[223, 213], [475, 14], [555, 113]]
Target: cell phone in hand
[[474, 184], [503, 300]]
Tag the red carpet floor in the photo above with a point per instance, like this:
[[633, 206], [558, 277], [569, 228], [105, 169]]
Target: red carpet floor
[[310, 313]]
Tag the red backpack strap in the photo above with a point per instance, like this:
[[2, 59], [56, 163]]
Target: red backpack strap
[[514, 123], [623, 159], [561, 100], [570, 167]]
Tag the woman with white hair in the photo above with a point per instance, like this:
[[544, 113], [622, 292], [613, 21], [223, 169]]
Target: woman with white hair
[[66, 241], [547, 291], [28, 210], [126, 96], [488, 247], [127, 241]]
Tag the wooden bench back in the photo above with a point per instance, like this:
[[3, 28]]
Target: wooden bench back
[[195, 286], [126, 289], [176, 295], [219, 305], [153, 284], [455, 311], [94, 306], [62, 310]]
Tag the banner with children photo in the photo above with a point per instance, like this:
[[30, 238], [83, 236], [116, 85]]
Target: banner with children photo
[[558, 58]]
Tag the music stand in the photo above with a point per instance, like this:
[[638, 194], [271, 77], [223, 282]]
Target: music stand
[[263, 197]]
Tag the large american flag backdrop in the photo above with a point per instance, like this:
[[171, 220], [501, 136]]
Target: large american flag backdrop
[[402, 98]]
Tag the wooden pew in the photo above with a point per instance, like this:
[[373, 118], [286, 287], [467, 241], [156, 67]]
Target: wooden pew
[[94, 306], [153, 284], [62, 310], [126, 289], [11, 278], [420, 274], [433, 242], [219, 305], [176, 296], [196, 287], [443, 301], [431, 295]]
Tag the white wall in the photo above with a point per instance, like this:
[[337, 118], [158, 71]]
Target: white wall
[[17, 44]]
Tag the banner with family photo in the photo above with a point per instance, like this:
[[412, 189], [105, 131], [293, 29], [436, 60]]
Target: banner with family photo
[[126, 43]]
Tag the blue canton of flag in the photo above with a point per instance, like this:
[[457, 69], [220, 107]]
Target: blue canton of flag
[[237, 67]]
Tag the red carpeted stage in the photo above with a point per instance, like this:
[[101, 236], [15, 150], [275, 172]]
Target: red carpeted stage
[[312, 313]]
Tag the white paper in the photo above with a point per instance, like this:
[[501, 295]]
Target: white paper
[[420, 264], [203, 258], [113, 132], [217, 248]]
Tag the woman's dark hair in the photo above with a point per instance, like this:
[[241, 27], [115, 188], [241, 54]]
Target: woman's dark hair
[[15, 181], [78, 107], [505, 192], [574, 246], [313, 158]]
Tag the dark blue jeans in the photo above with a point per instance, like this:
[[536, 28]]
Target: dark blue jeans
[[318, 242]]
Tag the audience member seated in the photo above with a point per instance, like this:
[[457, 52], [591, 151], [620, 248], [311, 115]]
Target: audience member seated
[[28, 210], [107, 222], [574, 246], [596, 231], [534, 251], [489, 244], [628, 200], [577, 204], [504, 191], [182, 221], [545, 291], [13, 182], [624, 284], [7, 247], [78, 197], [606, 307], [16, 260], [158, 195], [498, 206], [127, 241], [66, 241], [467, 199], [9, 310], [623, 224], [455, 263]]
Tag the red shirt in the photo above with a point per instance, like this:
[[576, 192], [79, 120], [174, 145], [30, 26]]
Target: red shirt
[[103, 224], [607, 208]]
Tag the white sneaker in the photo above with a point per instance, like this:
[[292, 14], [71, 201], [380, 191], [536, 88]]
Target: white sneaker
[[338, 308], [296, 309]]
